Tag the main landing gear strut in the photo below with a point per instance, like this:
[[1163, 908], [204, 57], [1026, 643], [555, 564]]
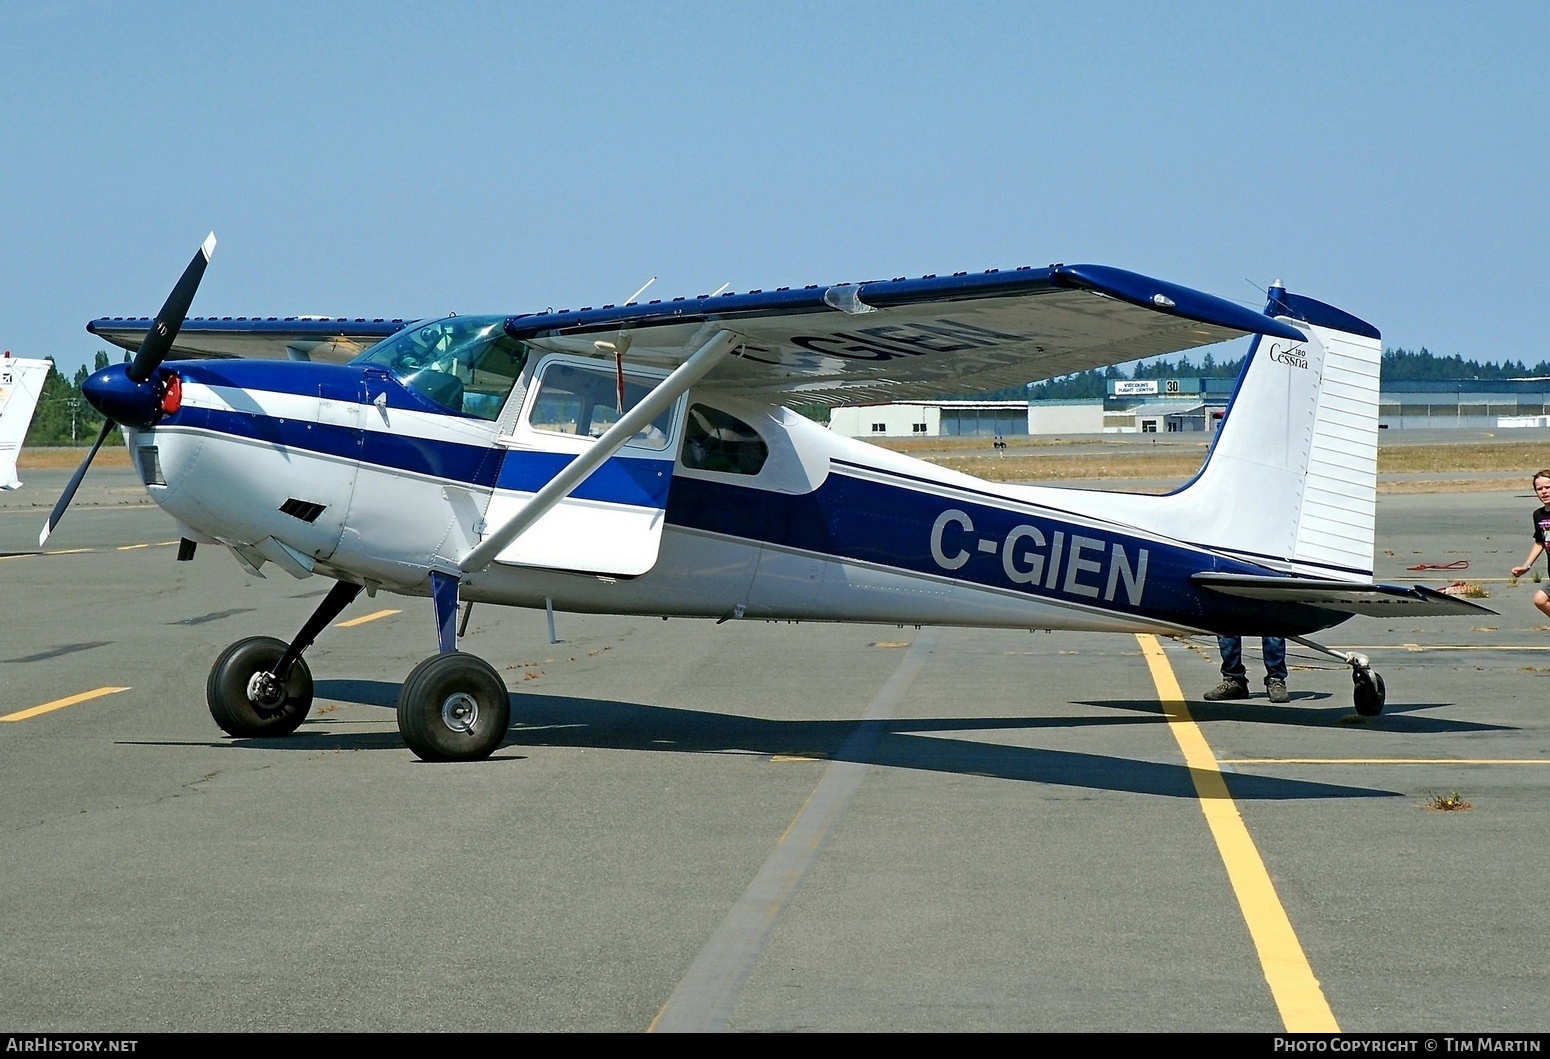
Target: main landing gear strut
[[1367, 692], [452, 707]]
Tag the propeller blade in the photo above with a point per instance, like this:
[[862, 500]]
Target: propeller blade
[[74, 484], [158, 340]]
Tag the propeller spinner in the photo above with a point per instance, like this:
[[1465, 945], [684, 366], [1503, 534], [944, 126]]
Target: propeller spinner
[[132, 394]]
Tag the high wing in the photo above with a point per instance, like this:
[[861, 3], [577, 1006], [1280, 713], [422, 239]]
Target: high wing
[[843, 343], [324, 339], [912, 338]]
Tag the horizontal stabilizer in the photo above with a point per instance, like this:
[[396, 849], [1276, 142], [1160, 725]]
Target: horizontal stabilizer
[[1377, 601]]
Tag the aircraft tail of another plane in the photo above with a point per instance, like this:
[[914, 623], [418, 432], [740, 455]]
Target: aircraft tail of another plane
[[1291, 477], [21, 384]]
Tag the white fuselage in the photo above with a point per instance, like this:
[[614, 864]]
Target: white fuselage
[[828, 529]]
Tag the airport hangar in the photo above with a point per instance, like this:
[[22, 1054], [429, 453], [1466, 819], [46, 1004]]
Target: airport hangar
[[1147, 406]]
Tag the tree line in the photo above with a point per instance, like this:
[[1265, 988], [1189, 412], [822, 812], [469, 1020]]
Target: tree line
[[1398, 365], [65, 418]]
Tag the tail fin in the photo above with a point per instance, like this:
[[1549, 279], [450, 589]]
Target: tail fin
[[1291, 478], [21, 383]]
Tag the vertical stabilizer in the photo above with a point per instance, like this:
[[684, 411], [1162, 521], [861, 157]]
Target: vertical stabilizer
[[21, 383], [1291, 477]]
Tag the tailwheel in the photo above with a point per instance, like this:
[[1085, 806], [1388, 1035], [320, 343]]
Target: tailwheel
[[1368, 692], [245, 697], [454, 707]]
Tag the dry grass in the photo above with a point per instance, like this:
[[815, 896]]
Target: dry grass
[[1506, 456], [52, 459], [1471, 467]]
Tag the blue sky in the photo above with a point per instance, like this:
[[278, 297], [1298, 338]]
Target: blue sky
[[410, 159]]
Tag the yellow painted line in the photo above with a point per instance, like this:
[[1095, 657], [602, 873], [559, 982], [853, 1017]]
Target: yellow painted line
[[1386, 761], [59, 704], [363, 619], [83, 551], [1297, 993]]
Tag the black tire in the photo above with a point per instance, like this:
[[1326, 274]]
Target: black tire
[[454, 707], [226, 690], [1368, 693]]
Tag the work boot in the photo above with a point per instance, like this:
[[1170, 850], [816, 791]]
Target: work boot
[[1227, 689], [1277, 689]]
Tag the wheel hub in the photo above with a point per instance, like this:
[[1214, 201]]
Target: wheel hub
[[265, 690], [460, 712]]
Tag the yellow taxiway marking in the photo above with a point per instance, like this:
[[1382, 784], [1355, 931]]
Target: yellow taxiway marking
[[1386, 761], [59, 704], [1297, 993], [363, 619], [84, 551]]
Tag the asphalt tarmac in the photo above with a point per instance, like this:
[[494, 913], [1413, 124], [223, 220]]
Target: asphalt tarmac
[[763, 827]]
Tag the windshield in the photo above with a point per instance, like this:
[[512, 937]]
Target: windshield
[[464, 363]]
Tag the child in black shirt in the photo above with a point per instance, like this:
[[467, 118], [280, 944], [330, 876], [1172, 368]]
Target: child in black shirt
[[1541, 482]]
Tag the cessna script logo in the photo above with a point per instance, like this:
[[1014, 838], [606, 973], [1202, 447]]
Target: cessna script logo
[[1075, 566], [1293, 354]]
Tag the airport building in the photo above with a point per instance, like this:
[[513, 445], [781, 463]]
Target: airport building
[[1166, 406], [932, 419]]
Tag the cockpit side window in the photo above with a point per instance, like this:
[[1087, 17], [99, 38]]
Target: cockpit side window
[[716, 441], [573, 399], [466, 364]]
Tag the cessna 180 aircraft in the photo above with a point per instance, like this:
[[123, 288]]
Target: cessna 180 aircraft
[[641, 458], [21, 384]]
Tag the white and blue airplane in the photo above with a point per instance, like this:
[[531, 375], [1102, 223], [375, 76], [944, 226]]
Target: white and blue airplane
[[642, 458], [21, 384]]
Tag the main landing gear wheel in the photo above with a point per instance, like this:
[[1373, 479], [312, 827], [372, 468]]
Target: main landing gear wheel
[[244, 697], [454, 707], [1368, 692]]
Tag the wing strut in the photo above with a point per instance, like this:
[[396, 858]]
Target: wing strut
[[613, 439]]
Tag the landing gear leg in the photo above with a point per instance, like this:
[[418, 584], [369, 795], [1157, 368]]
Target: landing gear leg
[[260, 686], [1368, 693], [453, 706]]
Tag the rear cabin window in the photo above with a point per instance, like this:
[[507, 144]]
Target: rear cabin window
[[573, 399], [716, 441]]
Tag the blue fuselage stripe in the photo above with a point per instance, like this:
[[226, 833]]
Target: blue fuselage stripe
[[1044, 556], [636, 482]]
